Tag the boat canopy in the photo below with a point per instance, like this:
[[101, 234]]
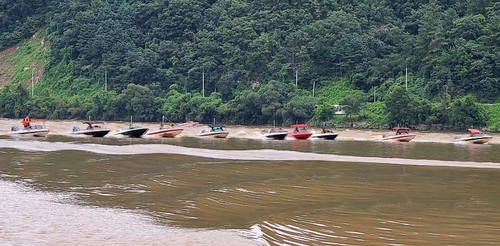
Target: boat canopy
[[93, 122], [397, 128], [475, 131], [299, 125]]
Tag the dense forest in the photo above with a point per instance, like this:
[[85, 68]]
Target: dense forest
[[433, 63]]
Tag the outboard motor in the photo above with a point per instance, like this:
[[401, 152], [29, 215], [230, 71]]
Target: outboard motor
[[76, 128], [384, 136], [14, 129], [264, 131]]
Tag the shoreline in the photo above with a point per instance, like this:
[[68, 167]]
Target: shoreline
[[64, 127]]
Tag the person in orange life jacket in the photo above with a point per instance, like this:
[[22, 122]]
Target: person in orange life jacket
[[26, 122]]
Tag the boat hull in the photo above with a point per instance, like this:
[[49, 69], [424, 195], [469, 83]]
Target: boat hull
[[214, 134], [133, 133], [92, 133], [475, 140], [276, 135], [401, 137], [326, 136], [166, 133], [300, 135], [30, 133]]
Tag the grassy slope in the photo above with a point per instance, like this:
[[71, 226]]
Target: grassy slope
[[29, 57]]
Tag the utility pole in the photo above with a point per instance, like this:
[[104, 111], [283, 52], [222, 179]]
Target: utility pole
[[314, 86], [106, 80], [296, 77], [406, 77], [374, 98], [32, 81], [203, 83]]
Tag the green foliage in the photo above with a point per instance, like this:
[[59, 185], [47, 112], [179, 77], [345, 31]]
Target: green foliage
[[249, 52], [375, 114], [13, 102], [493, 112], [465, 113], [405, 109], [336, 92], [20, 19], [352, 104], [136, 101]]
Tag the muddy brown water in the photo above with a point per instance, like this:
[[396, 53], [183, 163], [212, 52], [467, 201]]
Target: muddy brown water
[[246, 190]]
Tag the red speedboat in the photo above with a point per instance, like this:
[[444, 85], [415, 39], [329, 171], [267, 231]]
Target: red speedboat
[[166, 132], [299, 131]]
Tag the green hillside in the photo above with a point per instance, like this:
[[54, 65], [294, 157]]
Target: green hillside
[[255, 62]]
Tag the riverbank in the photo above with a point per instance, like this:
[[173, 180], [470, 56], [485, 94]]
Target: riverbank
[[64, 127]]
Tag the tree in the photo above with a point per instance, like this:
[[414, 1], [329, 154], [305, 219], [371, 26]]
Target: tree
[[464, 113], [397, 104], [137, 101], [352, 104]]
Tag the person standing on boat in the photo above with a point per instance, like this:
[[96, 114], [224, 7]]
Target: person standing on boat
[[26, 122]]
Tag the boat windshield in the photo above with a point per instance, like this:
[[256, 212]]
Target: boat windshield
[[399, 132], [217, 129], [402, 130], [132, 126]]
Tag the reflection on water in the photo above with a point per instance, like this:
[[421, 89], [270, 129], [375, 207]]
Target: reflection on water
[[291, 201]]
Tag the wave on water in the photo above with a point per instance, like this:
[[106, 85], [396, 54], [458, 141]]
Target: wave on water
[[42, 218], [256, 155]]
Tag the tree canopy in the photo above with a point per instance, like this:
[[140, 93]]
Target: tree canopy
[[259, 60]]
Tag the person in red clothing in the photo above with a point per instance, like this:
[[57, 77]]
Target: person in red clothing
[[26, 122]]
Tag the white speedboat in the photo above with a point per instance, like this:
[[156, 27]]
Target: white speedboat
[[275, 134], [94, 129], [166, 132], [476, 137], [402, 135], [325, 134], [216, 131], [30, 131]]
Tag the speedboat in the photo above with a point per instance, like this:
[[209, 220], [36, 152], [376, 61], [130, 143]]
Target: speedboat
[[37, 130], [189, 123], [133, 131], [325, 134], [94, 129], [275, 134], [402, 135], [476, 137], [166, 132], [300, 131], [216, 131]]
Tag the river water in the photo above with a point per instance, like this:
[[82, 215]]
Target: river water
[[247, 191]]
